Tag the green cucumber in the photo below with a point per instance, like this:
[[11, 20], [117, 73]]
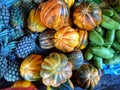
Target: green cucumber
[[95, 38], [117, 35], [88, 54], [107, 12], [100, 30], [103, 52], [110, 36], [116, 45], [117, 9], [114, 60], [109, 23], [98, 62], [115, 16]]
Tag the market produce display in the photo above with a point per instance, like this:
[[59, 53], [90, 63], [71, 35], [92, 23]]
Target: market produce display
[[56, 43]]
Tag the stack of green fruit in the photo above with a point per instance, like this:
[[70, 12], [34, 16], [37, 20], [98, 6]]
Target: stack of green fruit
[[104, 40]]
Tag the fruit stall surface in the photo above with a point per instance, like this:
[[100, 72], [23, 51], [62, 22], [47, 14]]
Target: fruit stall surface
[[59, 44]]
